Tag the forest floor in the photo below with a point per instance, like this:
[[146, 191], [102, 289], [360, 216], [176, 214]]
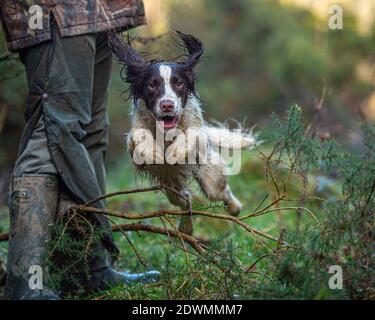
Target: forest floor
[[187, 275]]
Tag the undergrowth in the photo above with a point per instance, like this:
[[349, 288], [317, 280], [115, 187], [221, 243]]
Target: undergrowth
[[316, 198]]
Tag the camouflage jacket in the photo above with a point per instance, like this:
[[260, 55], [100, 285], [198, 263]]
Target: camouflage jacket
[[73, 17]]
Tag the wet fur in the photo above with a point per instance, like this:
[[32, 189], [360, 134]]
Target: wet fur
[[210, 177]]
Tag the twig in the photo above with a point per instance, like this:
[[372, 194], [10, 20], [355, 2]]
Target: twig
[[90, 238], [256, 261], [182, 240], [112, 194], [141, 259], [131, 191], [251, 215], [154, 229], [61, 234], [155, 214]]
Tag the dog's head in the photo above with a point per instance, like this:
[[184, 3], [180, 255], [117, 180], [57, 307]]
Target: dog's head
[[163, 86]]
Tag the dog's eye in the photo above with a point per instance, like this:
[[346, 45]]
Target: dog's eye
[[152, 85], [179, 84]]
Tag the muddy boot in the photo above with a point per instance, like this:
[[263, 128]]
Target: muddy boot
[[101, 276], [104, 277], [64, 204], [33, 201]]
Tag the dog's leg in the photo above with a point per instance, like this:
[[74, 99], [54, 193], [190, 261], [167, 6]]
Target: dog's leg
[[182, 200], [214, 183]]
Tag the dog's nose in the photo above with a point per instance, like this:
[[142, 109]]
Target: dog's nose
[[166, 105]]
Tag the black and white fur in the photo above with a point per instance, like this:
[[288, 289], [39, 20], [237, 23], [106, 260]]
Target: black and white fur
[[164, 92]]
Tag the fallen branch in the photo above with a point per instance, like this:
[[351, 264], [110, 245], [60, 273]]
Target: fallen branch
[[86, 209], [198, 246], [149, 228], [161, 213], [157, 214], [130, 191]]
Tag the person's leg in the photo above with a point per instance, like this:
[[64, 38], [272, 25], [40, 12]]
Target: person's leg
[[96, 139], [68, 118], [34, 190], [35, 158], [102, 276], [33, 208], [60, 76]]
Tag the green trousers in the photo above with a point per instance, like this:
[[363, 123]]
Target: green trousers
[[66, 129]]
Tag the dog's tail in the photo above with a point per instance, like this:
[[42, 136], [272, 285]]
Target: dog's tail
[[232, 139]]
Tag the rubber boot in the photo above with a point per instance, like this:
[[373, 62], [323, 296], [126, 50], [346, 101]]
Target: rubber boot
[[104, 277], [101, 274], [33, 202]]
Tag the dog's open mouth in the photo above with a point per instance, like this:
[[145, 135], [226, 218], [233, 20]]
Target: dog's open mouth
[[169, 122]]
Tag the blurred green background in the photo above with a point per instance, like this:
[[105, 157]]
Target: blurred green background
[[261, 56]]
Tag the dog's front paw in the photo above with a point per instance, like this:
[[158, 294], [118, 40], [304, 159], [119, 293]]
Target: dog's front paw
[[234, 207]]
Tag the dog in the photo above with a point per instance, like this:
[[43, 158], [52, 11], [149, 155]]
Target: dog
[[165, 101]]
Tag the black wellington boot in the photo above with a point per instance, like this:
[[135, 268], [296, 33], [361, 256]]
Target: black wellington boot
[[33, 202], [103, 276]]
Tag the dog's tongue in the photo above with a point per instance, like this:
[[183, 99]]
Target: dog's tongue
[[169, 123]]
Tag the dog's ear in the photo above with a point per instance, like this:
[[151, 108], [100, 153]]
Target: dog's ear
[[194, 47], [123, 51], [125, 54], [135, 66]]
